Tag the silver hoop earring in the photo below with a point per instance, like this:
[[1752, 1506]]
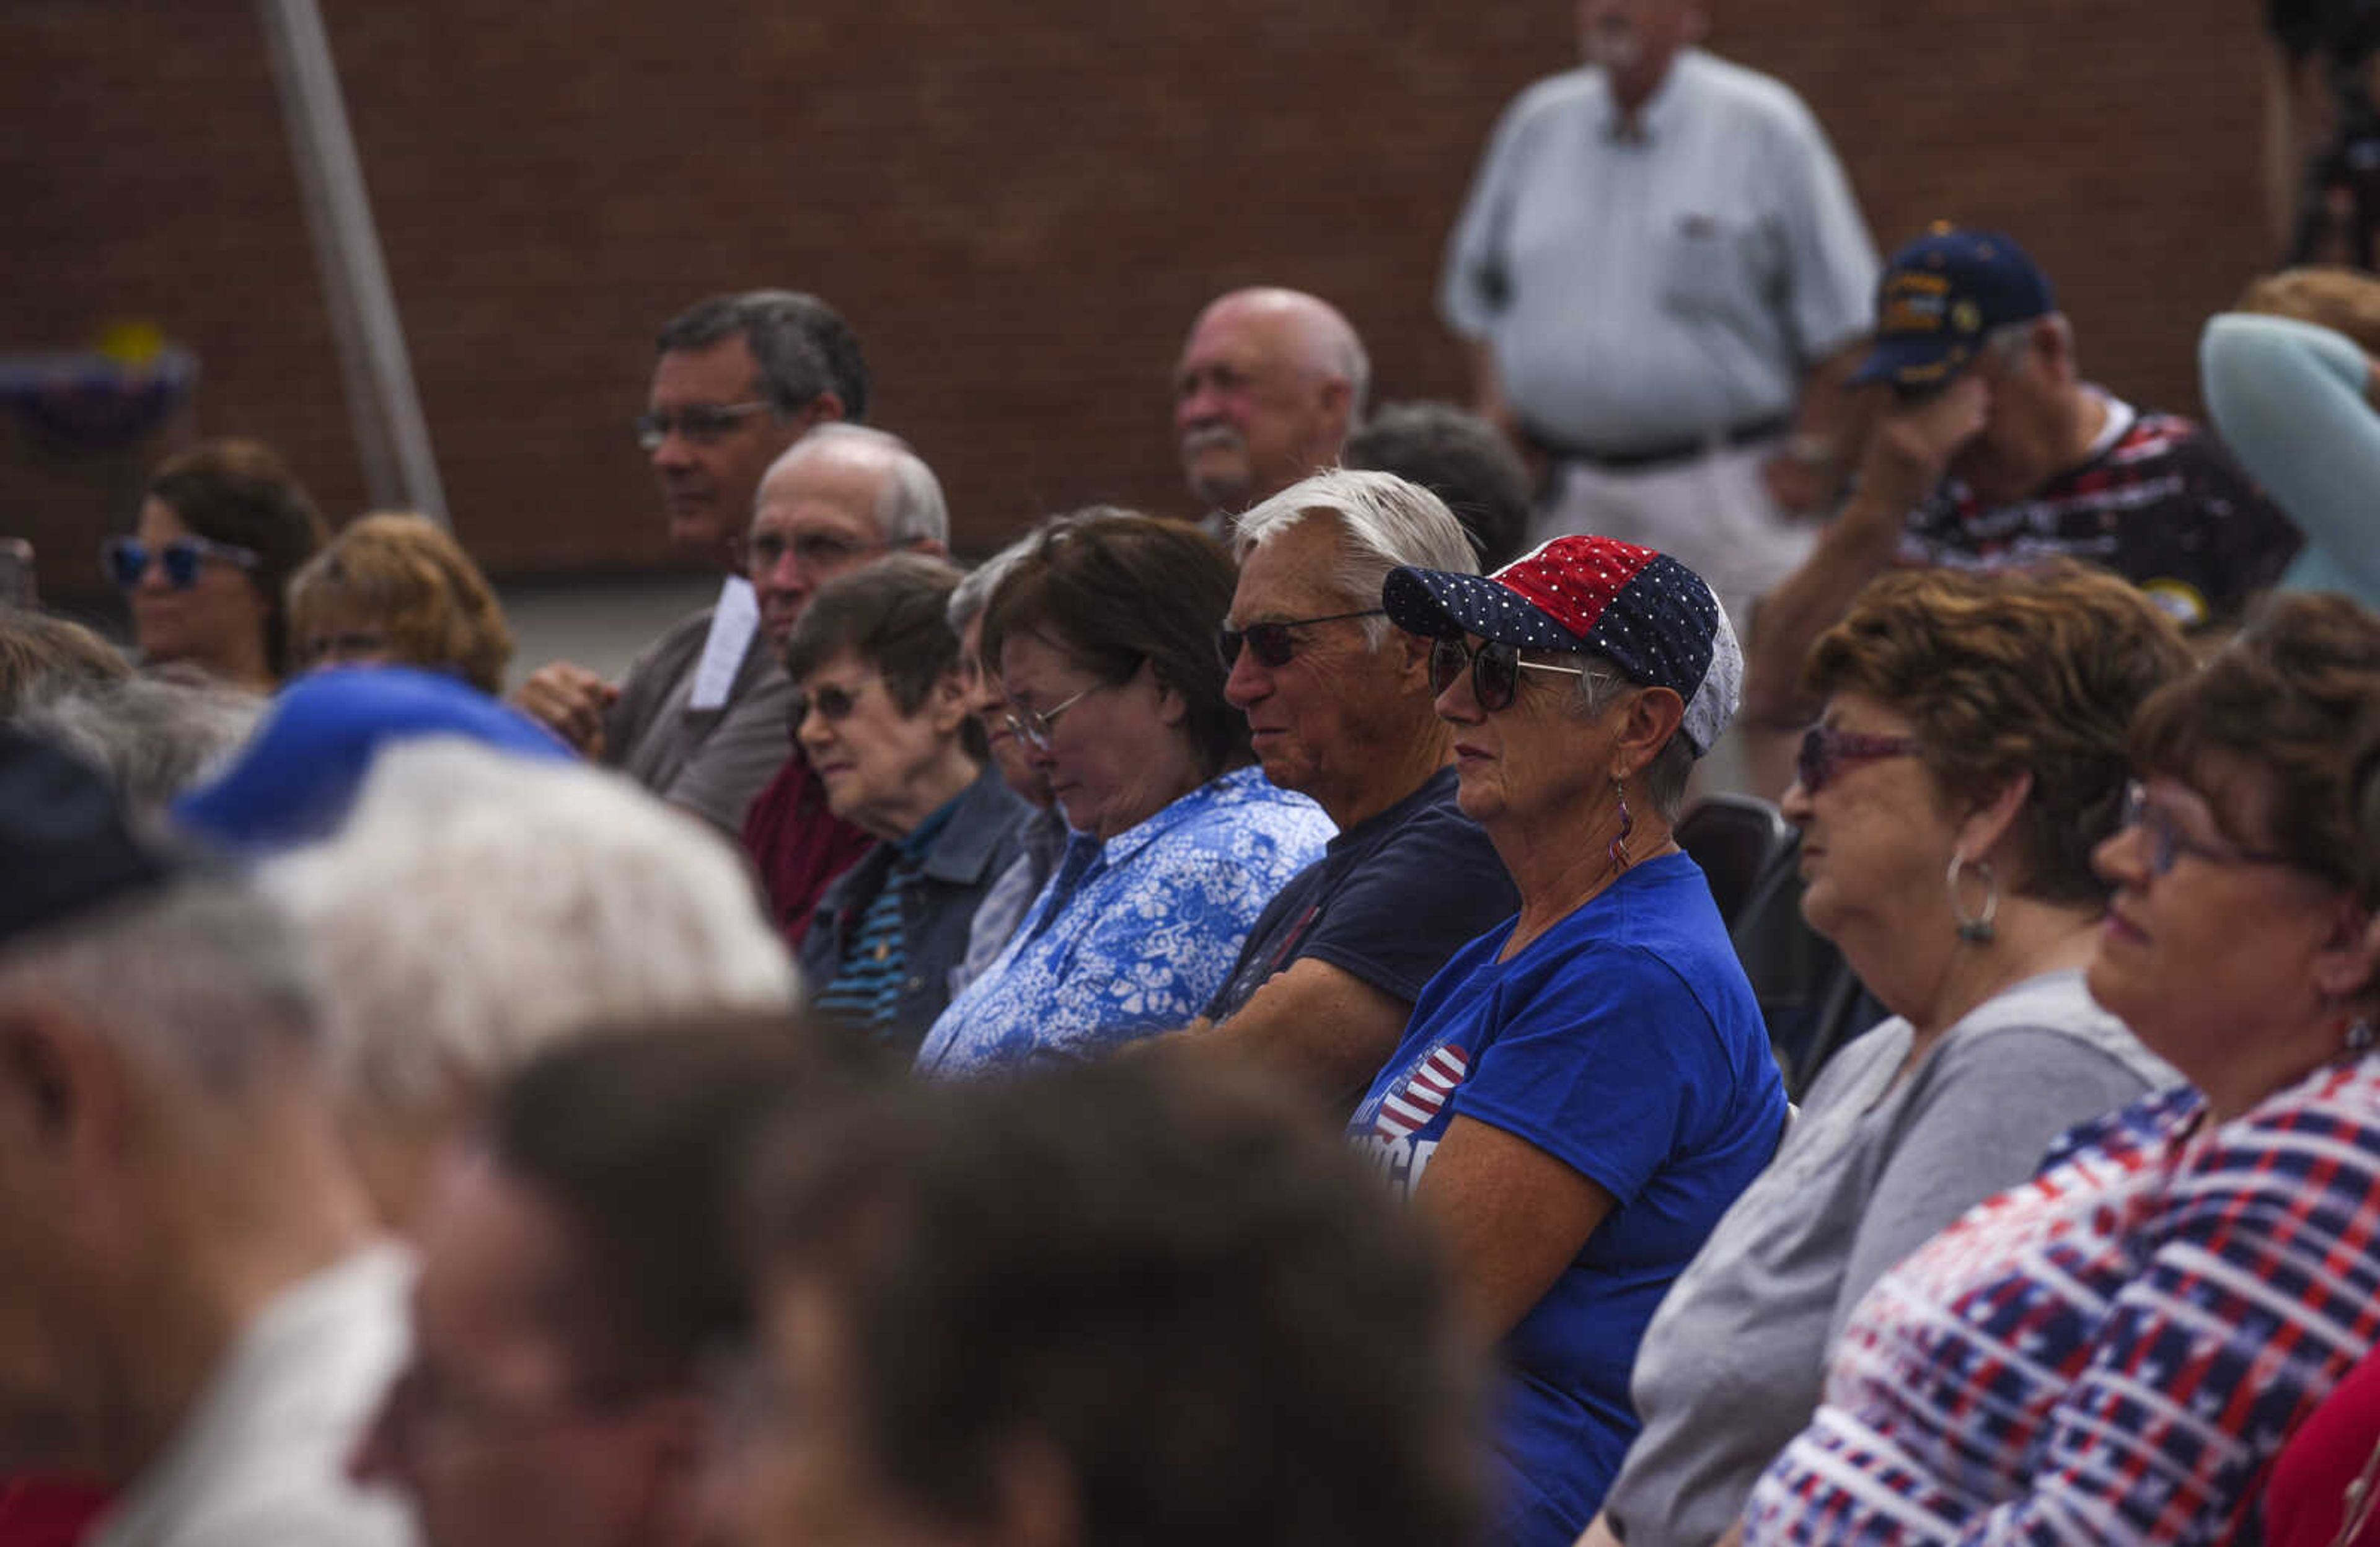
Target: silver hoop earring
[[2361, 1035], [1974, 928]]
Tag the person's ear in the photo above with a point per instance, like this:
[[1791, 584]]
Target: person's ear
[[1993, 819], [2346, 968], [1412, 658], [1172, 708], [946, 703], [62, 1091], [825, 409], [1337, 401], [1654, 716], [688, 1499], [1037, 1500]]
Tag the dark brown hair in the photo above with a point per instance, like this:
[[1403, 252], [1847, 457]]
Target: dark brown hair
[[1204, 1306], [241, 493], [2036, 670], [894, 615], [404, 574], [2294, 702], [1115, 591], [638, 1136]]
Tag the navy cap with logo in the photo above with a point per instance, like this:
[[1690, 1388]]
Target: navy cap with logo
[[1940, 296]]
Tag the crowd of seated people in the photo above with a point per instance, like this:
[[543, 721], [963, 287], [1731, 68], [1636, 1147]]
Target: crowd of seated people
[[1214, 1030]]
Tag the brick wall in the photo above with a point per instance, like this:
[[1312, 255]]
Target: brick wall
[[1019, 206]]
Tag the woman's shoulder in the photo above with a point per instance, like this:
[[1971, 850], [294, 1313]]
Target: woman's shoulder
[[2044, 1024], [1245, 805], [2337, 1106]]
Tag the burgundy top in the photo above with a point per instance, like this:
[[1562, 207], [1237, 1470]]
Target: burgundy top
[[798, 845]]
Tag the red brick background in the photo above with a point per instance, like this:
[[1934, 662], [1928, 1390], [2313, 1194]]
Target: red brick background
[[1019, 206]]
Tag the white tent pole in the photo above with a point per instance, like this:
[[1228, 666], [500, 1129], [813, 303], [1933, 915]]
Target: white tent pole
[[399, 466]]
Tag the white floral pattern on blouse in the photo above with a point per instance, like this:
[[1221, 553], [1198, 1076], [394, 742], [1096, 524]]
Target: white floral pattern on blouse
[[1131, 937]]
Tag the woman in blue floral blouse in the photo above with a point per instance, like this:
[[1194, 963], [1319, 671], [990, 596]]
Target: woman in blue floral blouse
[[1104, 637]]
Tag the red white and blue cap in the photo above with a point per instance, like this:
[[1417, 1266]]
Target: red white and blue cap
[[1643, 611]]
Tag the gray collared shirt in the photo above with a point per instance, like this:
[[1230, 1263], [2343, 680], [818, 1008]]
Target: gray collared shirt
[[1644, 288]]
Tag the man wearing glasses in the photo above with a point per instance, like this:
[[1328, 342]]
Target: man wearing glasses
[[1995, 452], [1340, 709], [839, 499], [700, 717]]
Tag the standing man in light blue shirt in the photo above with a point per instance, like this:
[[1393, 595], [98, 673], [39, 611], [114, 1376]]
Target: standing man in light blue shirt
[[1664, 279]]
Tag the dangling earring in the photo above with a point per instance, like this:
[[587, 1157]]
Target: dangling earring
[[1618, 850], [2360, 1035], [1974, 928]]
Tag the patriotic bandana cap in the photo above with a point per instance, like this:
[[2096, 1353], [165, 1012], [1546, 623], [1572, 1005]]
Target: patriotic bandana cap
[[1643, 611]]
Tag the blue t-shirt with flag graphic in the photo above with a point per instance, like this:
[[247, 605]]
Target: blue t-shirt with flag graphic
[[1625, 1043]]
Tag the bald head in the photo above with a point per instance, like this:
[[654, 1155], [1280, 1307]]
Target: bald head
[[1271, 383], [841, 496]]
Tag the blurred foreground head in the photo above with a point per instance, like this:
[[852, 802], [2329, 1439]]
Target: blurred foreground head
[[581, 1272], [476, 906], [1118, 1303], [192, 1312]]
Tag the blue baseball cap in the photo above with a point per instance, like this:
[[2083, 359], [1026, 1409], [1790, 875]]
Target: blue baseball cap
[[1941, 296], [295, 779]]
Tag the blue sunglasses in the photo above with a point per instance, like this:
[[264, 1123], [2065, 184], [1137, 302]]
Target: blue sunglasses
[[128, 559]]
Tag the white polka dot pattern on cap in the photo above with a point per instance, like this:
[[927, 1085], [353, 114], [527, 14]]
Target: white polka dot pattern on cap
[[1647, 614]]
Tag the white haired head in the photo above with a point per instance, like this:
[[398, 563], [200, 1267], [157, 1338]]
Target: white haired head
[[477, 906]]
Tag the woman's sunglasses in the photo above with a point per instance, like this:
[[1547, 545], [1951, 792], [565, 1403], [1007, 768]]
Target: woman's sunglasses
[[1275, 643], [1826, 752], [1496, 670], [128, 559]]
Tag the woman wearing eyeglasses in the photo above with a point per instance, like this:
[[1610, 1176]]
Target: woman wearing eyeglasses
[[223, 528], [394, 588], [1970, 753], [2116, 1351], [885, 725], [1580, 1093], [1104, 638]]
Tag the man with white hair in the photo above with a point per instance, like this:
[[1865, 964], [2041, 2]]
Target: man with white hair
[[840, 497], [1271, 383], [700, 717], [196, 1309], [1339, 707], [477, 906]]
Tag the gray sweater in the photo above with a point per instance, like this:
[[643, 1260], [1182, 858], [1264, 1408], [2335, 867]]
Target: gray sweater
[[1732, 1367]]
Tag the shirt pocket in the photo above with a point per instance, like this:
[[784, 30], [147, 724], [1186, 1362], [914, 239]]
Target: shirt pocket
[[1712, 265]]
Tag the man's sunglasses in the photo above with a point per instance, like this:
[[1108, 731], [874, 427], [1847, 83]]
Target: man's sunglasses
[[1275, 643], [702, 423], [1496, 670], [127, 559], [1827, 751]]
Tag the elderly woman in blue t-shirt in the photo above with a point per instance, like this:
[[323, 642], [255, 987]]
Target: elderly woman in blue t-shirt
[[1582, 1093]]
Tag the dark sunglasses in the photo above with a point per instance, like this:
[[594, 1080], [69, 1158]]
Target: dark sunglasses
[[128, 559], [1496, 670], [1826, 752], [833, 704], [1275, 643], [702, 423]]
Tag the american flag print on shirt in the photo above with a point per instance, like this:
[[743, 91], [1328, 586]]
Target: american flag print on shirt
[[1405, 1112], [2113, 1352]]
